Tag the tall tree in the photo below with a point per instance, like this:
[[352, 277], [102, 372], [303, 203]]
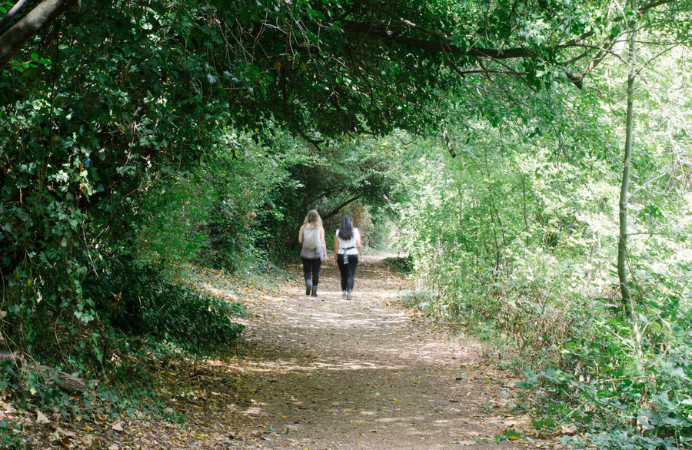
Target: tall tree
[[627, 163]]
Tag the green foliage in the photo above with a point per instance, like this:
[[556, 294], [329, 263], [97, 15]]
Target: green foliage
[[353, 176], [516, 236], [401, 264], [141, 301], [509, 434], [222, 212], [11, 436], [138, 139], [617, 374], [80, 152]]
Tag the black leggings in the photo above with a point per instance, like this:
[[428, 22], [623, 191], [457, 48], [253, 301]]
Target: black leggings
[[312, 266], [348, 271]]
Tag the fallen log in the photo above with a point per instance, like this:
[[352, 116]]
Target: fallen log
[[51, 376], [65, 381], [4, 356]]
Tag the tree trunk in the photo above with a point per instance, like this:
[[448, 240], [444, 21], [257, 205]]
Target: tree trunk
[[622, 243], [38, 18]]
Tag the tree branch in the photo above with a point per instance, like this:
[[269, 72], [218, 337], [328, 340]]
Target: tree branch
[[336, 210], [602, 52], [390, 34], [315, 142], [406, 21], [38, 18], [445, 138], [646, 184], [645, 8], [656, 56], [443, 45], [11, 13]]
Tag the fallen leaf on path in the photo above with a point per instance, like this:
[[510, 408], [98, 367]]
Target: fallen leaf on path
[[54, 436], [62, 432], [41, 418], [118, 427]]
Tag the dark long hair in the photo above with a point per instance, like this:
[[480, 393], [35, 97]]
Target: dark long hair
[[346, 229]]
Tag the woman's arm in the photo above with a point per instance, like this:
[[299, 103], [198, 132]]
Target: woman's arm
[[323, 241], [300, 235], [336, 248], [358, 243]]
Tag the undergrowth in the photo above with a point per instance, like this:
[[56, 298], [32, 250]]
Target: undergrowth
[[618, 384], [153, 339], [402, 264]]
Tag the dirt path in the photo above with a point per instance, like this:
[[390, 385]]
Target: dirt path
[[324, 373], [327, 373]]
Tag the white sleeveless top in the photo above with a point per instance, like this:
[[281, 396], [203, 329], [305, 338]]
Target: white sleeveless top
[[350, 243]]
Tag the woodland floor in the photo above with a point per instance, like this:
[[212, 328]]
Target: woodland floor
[[327, 373]]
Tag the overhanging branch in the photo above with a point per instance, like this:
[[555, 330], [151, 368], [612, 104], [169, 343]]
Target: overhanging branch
[[442, 44], [336, 210], [38, 18], [398, 37], [11, 13], [315, 142]]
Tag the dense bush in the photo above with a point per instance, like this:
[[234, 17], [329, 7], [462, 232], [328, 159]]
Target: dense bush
[[142, 302], [81, 154]]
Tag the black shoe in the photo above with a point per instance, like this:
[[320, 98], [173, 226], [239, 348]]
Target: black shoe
[[314, 292], [308, 287]]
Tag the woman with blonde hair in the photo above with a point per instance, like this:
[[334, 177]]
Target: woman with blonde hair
[[314, 250]]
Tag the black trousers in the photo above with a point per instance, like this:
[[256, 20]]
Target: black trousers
[[348, 271], [312, 266]]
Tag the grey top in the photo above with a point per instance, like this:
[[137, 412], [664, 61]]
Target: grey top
[[309, 240], [310, 254]]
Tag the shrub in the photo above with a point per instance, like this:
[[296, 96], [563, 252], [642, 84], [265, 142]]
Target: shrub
[[138, 300]]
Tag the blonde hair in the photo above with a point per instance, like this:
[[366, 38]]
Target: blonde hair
[[313, 219]]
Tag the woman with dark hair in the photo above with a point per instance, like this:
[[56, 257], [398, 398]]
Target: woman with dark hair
[[346, 248], [314, 250]]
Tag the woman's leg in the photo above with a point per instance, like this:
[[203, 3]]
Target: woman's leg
[[316, 272], [307, 268], [351, 275], [315, 275], [343, 268]]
